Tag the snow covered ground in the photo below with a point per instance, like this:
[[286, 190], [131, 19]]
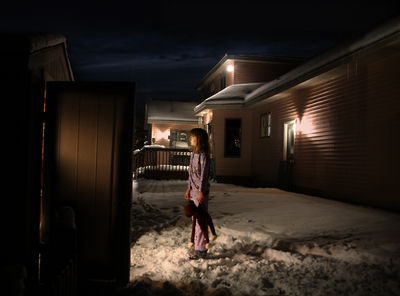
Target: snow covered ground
[[270, 242]]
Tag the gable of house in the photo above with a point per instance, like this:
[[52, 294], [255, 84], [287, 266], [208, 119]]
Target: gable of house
[[239, 69]]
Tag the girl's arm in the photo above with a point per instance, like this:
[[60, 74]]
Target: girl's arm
[[200, 197], [187, 194], [205, 172]]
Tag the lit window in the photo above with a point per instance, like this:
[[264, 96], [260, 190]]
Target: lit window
[[265, 125]]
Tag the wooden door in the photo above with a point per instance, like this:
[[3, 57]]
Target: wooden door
[[88, 166]]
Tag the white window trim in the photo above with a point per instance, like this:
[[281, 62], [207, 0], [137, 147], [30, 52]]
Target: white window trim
[[285, 134]]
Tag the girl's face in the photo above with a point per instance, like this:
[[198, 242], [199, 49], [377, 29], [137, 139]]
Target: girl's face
[[193, 140]]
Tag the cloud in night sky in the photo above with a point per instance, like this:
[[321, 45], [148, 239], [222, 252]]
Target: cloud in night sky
[[164, 63], [168, 47]]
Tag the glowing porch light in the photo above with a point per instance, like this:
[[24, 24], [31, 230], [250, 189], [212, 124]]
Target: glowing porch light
[[230, 68]]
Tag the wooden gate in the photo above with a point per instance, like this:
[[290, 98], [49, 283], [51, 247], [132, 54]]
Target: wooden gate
[[88, 166]]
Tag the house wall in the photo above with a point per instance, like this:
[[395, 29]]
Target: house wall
[[230, 166], [346, 144], [50, 62], [213, 85], [252, 72], [164, 129], [268, 151]]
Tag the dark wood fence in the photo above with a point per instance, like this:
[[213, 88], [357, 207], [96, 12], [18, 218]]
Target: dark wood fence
[[58, 259], [161, 163]]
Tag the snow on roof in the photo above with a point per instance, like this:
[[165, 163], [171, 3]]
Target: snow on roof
[[170, 111], [40, 41], [30, 42], [232, 95]]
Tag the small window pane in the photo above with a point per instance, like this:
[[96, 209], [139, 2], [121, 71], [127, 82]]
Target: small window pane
[[223, 80], [266, 125]]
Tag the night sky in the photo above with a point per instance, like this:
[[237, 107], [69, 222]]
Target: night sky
[[167, 48]]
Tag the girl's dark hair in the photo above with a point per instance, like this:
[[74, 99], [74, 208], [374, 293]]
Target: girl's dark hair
[[202, 141]]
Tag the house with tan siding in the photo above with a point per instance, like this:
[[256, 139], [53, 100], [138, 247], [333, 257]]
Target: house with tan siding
[[169, 122], [326, 127]]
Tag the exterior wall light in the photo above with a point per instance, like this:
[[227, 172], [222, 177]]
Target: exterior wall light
[[304, 126], [230, 68]]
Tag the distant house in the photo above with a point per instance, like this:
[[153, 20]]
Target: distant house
[[326, 127], [169, 122]]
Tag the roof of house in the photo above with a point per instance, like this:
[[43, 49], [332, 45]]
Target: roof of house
[[318, 68], [166, 111], [30, 43], [231, 96]]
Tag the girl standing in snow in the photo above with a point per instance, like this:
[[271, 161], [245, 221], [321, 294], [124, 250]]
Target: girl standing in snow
[[199, 185]]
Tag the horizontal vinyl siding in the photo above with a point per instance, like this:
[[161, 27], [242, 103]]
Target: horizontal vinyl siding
[[351, 152], [52, 61], [251, 72], [268, 152], [231, 166]]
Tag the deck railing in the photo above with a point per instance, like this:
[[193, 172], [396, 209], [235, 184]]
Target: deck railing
[[161, 163]]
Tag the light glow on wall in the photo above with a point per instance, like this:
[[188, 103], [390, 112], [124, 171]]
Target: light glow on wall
[[304, 126], [162, 135], [230, 68]]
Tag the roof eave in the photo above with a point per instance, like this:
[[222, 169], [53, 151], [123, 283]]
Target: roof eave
[[171, 121], [244, 57], [204, 108], [213, 69], [313, 71]]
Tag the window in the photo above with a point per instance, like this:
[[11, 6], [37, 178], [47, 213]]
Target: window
[[200, 121], [223, 80], [265, 125], [177, 136], [233, 134]]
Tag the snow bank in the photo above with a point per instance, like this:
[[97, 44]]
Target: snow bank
[[270, 242]]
